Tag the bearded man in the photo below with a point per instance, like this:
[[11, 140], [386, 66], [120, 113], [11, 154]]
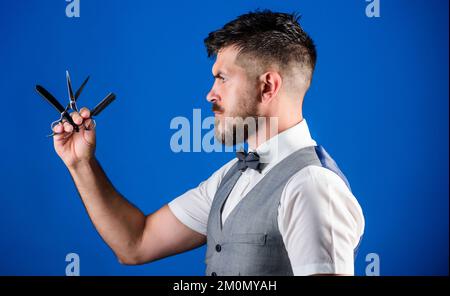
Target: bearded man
[[281, 208]]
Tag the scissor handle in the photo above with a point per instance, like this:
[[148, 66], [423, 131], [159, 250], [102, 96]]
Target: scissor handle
[[103, 104], [91, 126], [67, 116], [54, 123]]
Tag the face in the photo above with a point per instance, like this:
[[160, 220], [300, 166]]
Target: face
[[234, 96]]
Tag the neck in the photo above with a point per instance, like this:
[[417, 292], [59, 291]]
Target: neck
[[269, 127]]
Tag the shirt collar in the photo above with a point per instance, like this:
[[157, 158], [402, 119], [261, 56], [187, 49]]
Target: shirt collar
[[283, 144]]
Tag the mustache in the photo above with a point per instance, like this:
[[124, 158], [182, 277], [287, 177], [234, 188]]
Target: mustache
[[216, 108]]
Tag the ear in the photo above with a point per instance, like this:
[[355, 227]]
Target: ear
[[270, 85]]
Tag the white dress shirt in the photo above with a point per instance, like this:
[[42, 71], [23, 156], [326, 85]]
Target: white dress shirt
[[320, 220]]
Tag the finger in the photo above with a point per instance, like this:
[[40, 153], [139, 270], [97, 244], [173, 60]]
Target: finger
[[89, 131], [76, 118], [58, 133], [58, 128], [60, 137], [85, 113], [68, 128], [89, 124]]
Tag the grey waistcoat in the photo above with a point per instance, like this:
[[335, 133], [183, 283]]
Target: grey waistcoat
[[249, 242]]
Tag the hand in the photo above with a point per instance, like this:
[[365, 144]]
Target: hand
[[75, 147]]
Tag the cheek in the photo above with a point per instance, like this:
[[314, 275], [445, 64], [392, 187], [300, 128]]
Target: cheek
[[231, 96]]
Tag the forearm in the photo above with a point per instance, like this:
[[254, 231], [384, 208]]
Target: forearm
[[119, 223]]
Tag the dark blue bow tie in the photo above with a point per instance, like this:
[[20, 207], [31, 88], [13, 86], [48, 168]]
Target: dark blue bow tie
[[248, 160]]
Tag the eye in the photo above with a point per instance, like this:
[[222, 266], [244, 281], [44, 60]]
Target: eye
[[220, 77]]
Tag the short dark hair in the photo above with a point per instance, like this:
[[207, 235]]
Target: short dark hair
[[268, 36]]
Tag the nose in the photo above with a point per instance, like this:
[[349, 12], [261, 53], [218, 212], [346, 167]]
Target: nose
[[212, 96]]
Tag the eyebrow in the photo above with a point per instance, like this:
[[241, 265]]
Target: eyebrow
[[219, 74]]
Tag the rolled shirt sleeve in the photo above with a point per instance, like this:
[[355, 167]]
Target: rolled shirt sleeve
[[321, 223]]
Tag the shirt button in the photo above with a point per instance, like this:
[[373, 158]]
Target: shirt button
[[218, 248], [213, 274]]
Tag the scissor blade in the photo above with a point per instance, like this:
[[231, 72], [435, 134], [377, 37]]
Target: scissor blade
[[69, 86], [54, 102], [103, 104], [77, 94], [50, 98]]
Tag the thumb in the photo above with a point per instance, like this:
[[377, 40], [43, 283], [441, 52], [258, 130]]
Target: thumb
[[89, 131]]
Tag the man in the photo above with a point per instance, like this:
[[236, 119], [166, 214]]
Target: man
[[282, 209]]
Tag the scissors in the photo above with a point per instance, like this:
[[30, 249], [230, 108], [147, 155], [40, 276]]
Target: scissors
[[72, 105]]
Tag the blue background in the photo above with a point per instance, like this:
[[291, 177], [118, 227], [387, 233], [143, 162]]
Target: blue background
[[378, 103]]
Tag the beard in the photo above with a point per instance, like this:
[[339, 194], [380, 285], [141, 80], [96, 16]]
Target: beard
[[240, 123]]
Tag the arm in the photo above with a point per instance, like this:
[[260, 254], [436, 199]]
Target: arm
[[133, 237]]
